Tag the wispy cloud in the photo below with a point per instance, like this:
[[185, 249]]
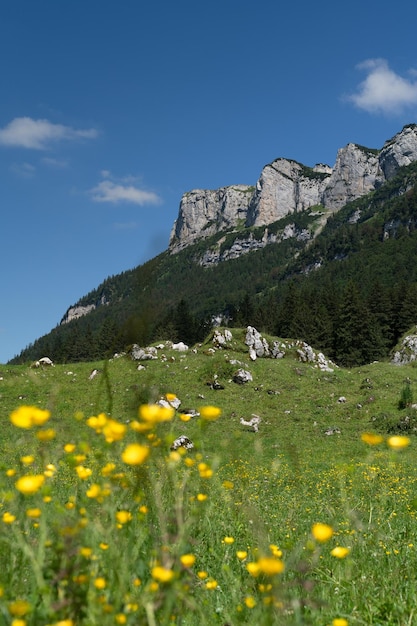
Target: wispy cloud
[[122, 191], [384, 91], [23, 170], [25, 132], [57, 164]]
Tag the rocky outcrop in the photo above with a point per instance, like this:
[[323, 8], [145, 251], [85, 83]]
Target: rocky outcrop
[[205, 212], [75, 312], [286, 186]]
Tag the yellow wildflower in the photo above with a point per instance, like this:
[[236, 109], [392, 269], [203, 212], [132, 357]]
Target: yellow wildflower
[[228, 540], [83, 472], [29, 484], [201, 497], [322, 532], [210, 413], [86, 552], [270, 566], [162, 574], [340, 552], [8, 518], [371, 439], [204, 470], [123, 516], [34, 513], [69, 447], [97, 422], [100, 583], [211, 584], [114, 431], [340, 621], [250, 602], [94, 491], [153, 413], [241, 554], [202, 575], [120, 618], [135, 454], [28, 459], [103, 546], [19, 608], [108, 469], [187, 560], [29, 416], [398, 442], [46, 435]]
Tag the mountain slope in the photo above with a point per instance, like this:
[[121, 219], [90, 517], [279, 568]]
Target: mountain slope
[[361, 263]]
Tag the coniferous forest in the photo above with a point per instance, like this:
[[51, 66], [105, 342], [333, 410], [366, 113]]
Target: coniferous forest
[[350, 292]]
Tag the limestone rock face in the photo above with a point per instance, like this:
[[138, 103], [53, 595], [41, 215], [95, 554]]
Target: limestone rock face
[[356, 172], [286, 186], [204, 212], [77, 311], [399, 151]]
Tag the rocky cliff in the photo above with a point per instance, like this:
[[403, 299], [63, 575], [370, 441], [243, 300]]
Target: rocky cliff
[[286, 186]]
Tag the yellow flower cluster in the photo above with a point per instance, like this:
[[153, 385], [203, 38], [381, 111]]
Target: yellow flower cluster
[[29, 416], [395, 442]]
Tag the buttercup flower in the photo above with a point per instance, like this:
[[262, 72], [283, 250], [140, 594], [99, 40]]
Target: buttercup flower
[[29, 484], [100, 583], [322, 532], [187, 560], [135, 454], [123, 516], [162, 574], [29, 416], [153, 413], [371, 439], [339, 552], [241, 554], [114, 431], [398, 442], [209, 413], [8, 518], [83, 472], [340, 621]]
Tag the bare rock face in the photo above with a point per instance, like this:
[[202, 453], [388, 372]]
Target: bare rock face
[[77, 311], [204, 212], [356, 172], [286, 186], [399, 151]]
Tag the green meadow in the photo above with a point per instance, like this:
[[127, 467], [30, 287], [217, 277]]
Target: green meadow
[[101, 523]]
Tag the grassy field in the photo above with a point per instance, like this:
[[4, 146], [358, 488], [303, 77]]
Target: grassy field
[[286, 526]]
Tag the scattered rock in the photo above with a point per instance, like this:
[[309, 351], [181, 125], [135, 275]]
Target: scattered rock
[[182, 442], [242, 376], [252, 423], [143, 354], [332, 431]]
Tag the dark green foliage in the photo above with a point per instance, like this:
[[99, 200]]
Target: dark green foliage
[[406, 398]]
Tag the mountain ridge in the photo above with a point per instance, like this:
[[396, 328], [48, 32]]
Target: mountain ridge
[[292, 284], [287, 186]]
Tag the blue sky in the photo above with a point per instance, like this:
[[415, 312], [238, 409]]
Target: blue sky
[[110, 110]]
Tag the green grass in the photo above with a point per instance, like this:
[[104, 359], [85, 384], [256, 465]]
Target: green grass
[[266, 488]]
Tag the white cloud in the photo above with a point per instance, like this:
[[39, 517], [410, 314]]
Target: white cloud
[[25, 132], [384, 91], [115, 193]]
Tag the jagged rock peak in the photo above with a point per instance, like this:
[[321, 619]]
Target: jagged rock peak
[[286, 186]]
